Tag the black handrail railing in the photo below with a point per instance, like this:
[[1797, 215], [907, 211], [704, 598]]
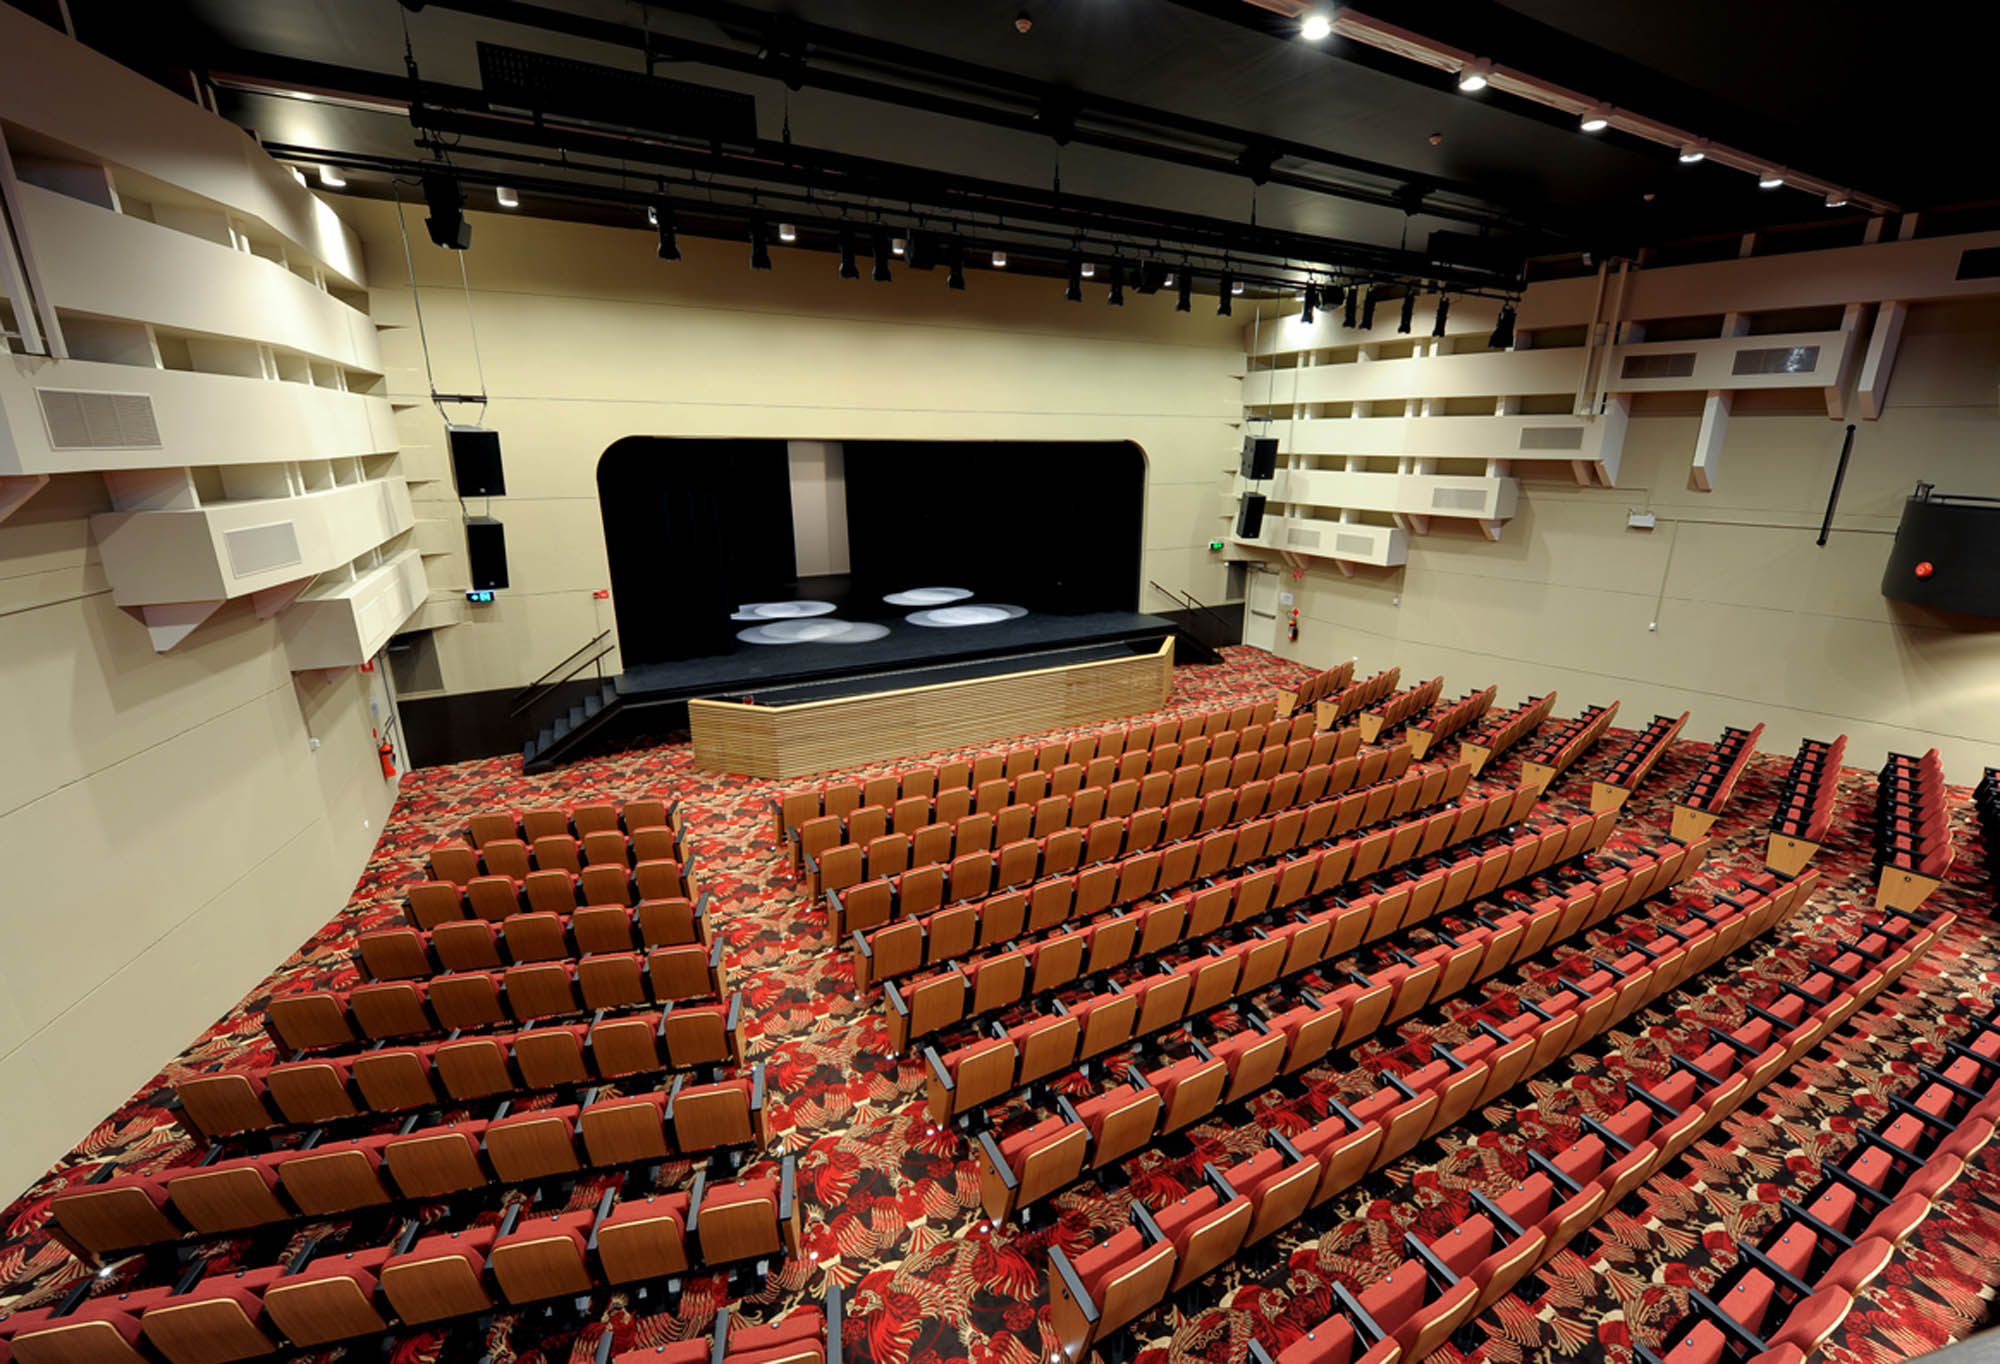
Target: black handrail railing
[[1186, 601], [542, 685]]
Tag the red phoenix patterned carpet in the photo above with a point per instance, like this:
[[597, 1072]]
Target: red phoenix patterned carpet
[[891, 1203]]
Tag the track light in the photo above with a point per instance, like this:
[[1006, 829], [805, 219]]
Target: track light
[[446, 223], [848, 268], [898, 247], [1184, 300], [882, 253], [1225, 289], [1073, 291], [1368, 310], [1503, 330], [1473, 77], [788, 232], [1444, 309], [1316, 27], [1353, 301], [954, 275], [1409, 313], [1089, 269], [332, 178], [760, 246], [663, 218], [1692, 153], [999, 260], [922, 251], [1595, 120], [1836, 198], [506, 197], [1311, 301], [1236, 287], [1770, 180], [1152, 276], [1116, 298]]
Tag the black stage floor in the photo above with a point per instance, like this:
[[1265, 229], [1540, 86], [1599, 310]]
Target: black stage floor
[[910, 655]]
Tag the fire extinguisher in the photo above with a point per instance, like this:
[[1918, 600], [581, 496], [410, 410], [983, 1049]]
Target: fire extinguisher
[[388, 761], [1295, 625]]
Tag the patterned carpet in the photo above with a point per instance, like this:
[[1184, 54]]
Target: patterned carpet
[[891, 1204]]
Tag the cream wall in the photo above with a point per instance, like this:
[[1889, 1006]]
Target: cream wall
[[168, 832], [1755, 622], [587, 337]]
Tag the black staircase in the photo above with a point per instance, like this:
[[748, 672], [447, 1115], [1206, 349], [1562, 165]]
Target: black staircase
[[585, 720], [1200, 631]]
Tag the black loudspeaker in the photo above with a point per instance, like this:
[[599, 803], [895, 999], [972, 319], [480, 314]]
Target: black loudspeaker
[[1260, 457], [1250, 517], [1944, 556], [486, 547], [446, 224], [475, 461]]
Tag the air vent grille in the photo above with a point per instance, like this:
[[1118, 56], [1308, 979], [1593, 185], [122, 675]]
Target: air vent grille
[[1458, 499], [1551, 438], [81, 419], [1777, 360], [1354, 546], [259, 549], [1674, 365]]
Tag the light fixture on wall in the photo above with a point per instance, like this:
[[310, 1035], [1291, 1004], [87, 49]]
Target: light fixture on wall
[[662, 215], [1503, 329], [1368, 310], [760, 245], [1353, 302], [1225, 290], [1184, 300], [848, 268], [506, 197], [1444, 310], [954, 277], [883, 249], [1309, 301], [332, 178], [1073, 291], [1409, 316], [1475, 75], [1116, 298], [788, 232]]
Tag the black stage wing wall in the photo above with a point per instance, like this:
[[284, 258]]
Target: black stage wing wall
[[692, 529], [1054, 526]]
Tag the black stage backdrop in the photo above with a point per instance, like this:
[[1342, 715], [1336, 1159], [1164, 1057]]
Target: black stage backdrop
[[1050, 525], [692, 529]]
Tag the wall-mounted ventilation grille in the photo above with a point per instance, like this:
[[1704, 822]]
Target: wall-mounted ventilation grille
[[1354, 546], [1777, 360], [1458, 499], [1296, 537], [79, 419], [1551, 438], [1677, 365], [259, 549]]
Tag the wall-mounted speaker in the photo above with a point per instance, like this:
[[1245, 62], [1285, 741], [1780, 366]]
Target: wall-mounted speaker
[[1944, 555], [1250, 517], [486, 547], [475, 461], [1260, 457]]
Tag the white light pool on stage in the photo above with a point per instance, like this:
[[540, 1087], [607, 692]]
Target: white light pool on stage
[[820, 631], [782, 610], [947, 617], [928, 596]]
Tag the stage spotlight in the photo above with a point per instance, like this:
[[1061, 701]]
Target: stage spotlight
[[922, 253], [1503, 330], [1409, 312], [662, 215], [1311, 297], [446, 223], [1353, 302], [760, 245], [1225, 290], [954, 276], [505, 197], [333, 179], [882, 253], [1152, 276], [999, 260], [1368, 310], [1116, 298], [848, 268], [1184, 301], [1444, 310], [1330, 295], [1073, 291], [788, 232]]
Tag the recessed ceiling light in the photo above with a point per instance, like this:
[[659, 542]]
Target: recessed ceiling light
[[1770, 180], [1836, 198], [999, 260], [1595, 120], [332, 178], [1692, 153], [1316, 27], [787, 232], [507, 198], [1474, 76]]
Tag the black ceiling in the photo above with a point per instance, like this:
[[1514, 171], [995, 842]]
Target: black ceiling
[[1173, 100]]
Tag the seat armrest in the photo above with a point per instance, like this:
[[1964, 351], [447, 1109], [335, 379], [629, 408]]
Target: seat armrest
[[1060, 1266], [1498, 1218], [788, 1178], [936, 1063], [1554, 1172], [1436, 1270], [1219, 1181], [673, 1093], [757, 1088], [603, 1211], [695, 1193], [999, 1162], [1285, 1147], [1149, 1230], [836, 1316], [1365, 1326], [894, 998]]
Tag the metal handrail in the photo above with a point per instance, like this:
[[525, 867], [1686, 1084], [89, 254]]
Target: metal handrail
[[1187, 601], [541, 686]]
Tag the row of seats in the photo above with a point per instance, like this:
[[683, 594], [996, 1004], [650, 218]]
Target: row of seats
[[947, 997], [1038, 1160], [628, 817], [334, 1178], [810, 1335], [1714, 784], [1635, 761], [1315, 689], [608, 849], [1783, 1298], [1805, 801], [326, 1294], [875, 849], [390, 1080], [404, 953], [1399, 709], [1356, 697], [1446, 1281], [1148, 777], [1132, 1271], [1501, 732], [788, 812], [1570, 739], [1913, 815], [937, 919], [1468, 709], [427, 904], [318, 1019]]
